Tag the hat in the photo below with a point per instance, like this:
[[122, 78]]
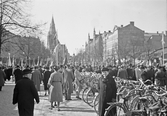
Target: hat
[[105, 69], [26, 71]]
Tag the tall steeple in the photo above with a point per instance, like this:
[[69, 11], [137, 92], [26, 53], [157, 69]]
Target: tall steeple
[[52, 29], [52, 38]]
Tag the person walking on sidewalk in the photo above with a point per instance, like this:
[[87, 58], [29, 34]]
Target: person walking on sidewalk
[[68, 78], [55, 82], [2, 77], [24, 94], [36, 78], [77, 81], [47, 74], [17, 74]]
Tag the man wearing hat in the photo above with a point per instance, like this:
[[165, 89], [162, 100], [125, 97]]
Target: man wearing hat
[[17, 74], [24, 94], [107, 92]]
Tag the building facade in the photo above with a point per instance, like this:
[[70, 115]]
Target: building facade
[[94, 49], [127, 44]]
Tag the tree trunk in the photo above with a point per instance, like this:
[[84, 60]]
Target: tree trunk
[[0, 42]]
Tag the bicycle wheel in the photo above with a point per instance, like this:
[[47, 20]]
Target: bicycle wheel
[[90, 97], [137, 104], [116, 109], [84, 94], [96, 103]]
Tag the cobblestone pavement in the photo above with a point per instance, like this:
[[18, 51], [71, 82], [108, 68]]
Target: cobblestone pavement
[[74, 107]]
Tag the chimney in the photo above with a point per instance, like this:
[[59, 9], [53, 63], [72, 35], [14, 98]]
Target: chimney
[[121, 25], [132, 23], [109, 31], [157, 32]]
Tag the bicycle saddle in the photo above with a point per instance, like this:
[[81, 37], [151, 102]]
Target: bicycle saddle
[[143, 99]]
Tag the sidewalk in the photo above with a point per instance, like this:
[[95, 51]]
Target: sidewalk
[[74, 107]]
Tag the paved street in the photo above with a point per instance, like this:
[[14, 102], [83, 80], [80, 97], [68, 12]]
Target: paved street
[[67, 108]]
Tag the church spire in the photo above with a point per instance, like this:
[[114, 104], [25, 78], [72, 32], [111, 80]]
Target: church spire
[[52, 29], [52, 36]]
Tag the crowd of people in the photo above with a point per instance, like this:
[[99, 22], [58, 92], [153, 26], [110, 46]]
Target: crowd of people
[[62, 80]]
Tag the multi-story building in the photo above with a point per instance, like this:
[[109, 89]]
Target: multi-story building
[[124, 43], [94, 49], [155, 42], [110, 43]]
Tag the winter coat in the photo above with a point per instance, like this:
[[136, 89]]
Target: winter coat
[[46, 78], [107, 92], [24, 94], [36, 78], [160, 78], [55, 82], [17, 74], [122, 73], [68, 79]]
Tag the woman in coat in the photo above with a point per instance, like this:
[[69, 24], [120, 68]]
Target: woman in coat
[[107, 91], [55, 83], [24, 94]]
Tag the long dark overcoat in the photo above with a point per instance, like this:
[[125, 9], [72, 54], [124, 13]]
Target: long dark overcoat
[[107, 92], [18, 74], [47, 74], [8, 73], [24, 94]]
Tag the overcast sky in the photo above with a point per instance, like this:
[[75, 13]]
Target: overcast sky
[[74, 19]]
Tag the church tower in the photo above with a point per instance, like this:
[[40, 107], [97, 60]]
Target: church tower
[[52, 38]]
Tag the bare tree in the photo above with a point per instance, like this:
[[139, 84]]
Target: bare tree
[[136, 48], [14, 20]]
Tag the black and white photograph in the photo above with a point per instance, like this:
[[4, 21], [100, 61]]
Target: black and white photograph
[[83, 57]]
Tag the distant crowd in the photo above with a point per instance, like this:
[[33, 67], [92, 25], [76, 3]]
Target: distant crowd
[[59, 81]]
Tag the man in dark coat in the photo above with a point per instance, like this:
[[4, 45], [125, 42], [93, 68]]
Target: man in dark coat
[[24, 94], [17, 74], [8, 72], [160, 77], [47, 74], [122, 73], [107, 91]]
